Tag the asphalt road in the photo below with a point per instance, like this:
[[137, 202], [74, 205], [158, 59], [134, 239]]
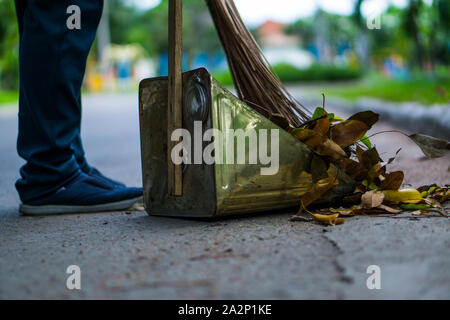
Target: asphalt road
[[129, 255]]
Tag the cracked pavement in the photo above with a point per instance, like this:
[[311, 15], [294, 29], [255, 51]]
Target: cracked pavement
[[130, 255]]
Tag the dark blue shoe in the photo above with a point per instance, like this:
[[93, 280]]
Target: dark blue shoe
[[84, 194], [97, 174]]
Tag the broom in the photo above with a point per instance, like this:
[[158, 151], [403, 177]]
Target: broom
[[255, 81]]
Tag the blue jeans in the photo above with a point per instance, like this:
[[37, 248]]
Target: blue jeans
[[52, 62]]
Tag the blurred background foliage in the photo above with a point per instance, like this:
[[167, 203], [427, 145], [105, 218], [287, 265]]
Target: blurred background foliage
[[9, 51], [411, 50]]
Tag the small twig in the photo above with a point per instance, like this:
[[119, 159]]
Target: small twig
[[312, 120], [389, 131]]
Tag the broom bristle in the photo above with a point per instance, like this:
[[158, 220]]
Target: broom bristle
[[255, 81]]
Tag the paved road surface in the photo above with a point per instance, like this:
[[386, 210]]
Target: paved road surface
[[132, 255]]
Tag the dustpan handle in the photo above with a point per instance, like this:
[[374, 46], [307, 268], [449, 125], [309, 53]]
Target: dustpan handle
[[175, 93]]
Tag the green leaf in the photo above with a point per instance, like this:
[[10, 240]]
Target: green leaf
[[412, 206], [367, 142], [319, 112]]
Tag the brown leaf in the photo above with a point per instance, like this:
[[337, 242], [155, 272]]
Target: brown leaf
[[316, 191], [394, 157], [354, 169], [309, 137], [372, 199], [331, 149], [370, 158], [322, 126], [303, 134], [347, 133], [430, 146], [314, 141], [368, 117], [359, 154], [377, 171], [393, 181], [353, 199]]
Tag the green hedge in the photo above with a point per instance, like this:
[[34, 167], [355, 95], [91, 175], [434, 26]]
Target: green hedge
[[317, 72]]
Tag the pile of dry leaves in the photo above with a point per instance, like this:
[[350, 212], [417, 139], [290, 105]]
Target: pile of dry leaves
[[345, 144], [342, 142]]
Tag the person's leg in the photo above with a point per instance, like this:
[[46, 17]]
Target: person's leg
[[52, 66], [77, 147]]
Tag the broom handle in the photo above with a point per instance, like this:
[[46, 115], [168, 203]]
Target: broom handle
[[175, 89]]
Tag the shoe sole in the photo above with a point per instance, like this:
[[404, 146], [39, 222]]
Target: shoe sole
[[46, 210]]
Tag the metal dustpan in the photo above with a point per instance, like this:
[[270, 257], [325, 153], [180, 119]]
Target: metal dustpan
[[215, 190], [195, 102]]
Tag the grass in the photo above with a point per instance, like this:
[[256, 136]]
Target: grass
[[8, 97], [421, 90]]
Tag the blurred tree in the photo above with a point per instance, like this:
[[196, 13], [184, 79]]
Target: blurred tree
[[362, 46], [438, 31], [150, 28], [411, 26], [325, 31], [391, 39], [304, 28], [9, 50]]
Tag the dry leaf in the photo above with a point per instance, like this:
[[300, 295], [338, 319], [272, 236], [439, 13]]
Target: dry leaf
[[376, 171], [342, 211], [370, 158], [322, 126], [332, 219], [317, 190], [372, 199], [354, 169], [435, 194], [393, 181], [349, 132], [430, 146], [331, 149], [303, 134], [394, 157], [389, 209], [353, 199], [368, 117], [359, 153], [315, 141]]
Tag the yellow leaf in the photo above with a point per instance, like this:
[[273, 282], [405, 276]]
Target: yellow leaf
[[403, 196], [332, 219]]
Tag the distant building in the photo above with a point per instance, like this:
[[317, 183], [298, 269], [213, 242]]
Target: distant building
[[279, 47]]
